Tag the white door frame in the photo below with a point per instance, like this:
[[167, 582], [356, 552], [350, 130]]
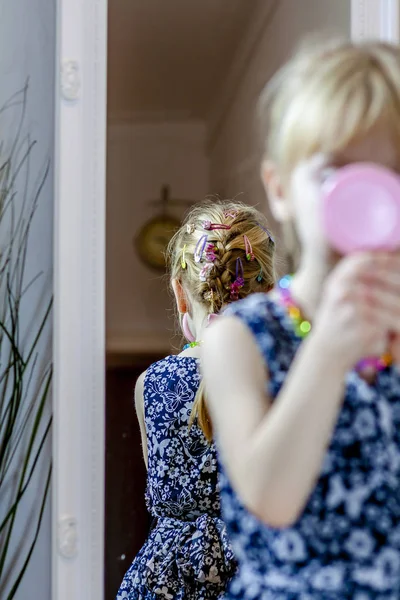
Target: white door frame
[[79, 284], [375, 19]]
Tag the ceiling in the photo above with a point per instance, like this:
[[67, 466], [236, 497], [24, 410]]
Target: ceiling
[[169, 57]]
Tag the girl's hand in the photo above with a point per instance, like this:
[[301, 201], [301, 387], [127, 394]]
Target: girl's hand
[[360, 309]]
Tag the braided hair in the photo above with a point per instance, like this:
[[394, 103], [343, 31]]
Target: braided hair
[[222, 252]]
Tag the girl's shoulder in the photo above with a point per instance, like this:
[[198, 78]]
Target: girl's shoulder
[[271, 327], [170, 386], [172, 362], [173, 368], [260, 312]]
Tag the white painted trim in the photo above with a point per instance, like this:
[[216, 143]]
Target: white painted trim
[[377, 19], [248, 44], [79, 267]]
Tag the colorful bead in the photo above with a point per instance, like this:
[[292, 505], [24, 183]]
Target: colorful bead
[[302, 327], [191, 345]]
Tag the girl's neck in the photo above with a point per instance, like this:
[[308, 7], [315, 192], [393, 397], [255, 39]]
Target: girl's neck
[[307, 286], [197, 326], [199, 320]]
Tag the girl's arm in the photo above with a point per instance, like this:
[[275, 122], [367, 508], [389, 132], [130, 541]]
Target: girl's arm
[[139, 405], [273, 454]]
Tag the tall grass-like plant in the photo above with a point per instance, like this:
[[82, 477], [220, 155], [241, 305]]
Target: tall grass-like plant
[[25, 361]]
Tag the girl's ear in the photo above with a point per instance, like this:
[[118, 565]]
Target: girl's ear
[[280, 206], [180, 296]]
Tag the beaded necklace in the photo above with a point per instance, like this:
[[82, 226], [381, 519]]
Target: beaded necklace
[[302, 327], [191, 345]]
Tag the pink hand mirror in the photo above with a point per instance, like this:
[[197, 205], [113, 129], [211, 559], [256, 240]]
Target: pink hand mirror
[[361, 209]]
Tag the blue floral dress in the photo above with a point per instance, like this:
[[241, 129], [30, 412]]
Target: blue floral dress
[[346, 545], [187, 555]]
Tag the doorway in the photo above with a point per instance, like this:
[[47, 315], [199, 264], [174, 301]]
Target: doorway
[[126, 519], [183, 84], [166, 63], [231, 153]]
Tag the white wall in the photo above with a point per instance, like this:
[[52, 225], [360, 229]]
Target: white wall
[[27, 49], [234, 141], [141, 158]]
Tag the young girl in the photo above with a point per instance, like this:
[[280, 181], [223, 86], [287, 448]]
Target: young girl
[[222, 252], [310, 446]]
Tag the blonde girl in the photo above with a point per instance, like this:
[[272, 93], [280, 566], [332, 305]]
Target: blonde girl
[[310, 445], [223, 252]]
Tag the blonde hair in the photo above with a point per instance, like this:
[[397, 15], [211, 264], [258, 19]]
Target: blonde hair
[[328, 96], [213, 289]]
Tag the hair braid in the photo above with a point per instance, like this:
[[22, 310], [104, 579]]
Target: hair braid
[[208, 279]]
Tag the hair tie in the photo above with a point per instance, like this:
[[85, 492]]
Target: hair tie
[[198, 251], [260, 276], [248, 249], [208, 226], [239, 281]]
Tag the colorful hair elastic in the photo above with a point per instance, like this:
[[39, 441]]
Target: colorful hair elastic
[[210, 252], [248, 248], [183, 257], [239, 281], [260, 276], [198, 251], [208, 226]]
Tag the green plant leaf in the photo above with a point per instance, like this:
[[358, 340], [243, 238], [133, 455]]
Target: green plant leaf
[[25, 379]]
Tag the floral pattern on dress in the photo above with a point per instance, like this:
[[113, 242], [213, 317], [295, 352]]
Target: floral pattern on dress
[[187, 555], [346, 544]]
